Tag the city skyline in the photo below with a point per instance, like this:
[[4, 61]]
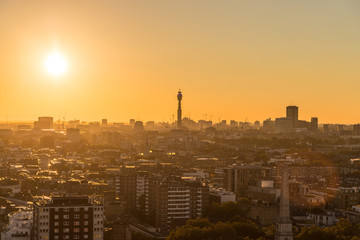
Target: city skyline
[[291, 113], [178, 120], [124, 59]]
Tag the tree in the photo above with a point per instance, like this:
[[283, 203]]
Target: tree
[[244, 229], [228, 211], [224, 231], [201, 229], [343, 230]]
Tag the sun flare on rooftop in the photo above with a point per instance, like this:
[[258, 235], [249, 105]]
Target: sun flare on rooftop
[[55, 64]]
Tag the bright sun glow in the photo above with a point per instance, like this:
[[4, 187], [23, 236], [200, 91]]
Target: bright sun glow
[[55, 64]]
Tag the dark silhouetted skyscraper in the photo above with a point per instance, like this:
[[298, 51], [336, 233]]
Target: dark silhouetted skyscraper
[[179, 97], [293, 112], [314, 124]]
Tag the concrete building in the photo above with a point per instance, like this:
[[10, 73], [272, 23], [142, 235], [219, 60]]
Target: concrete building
[[346, 197], [221, 196], [237, 179], [356, 129], [234, 123], [178, 201], [132, 123], [265, 192], [73, 135], [291, 122], [19, 227], [293, 113], [323, 220], [284, 225], [73, 217], [139, 126], [104, 122], [44, 123], [126, 190], [314, 125], [284, 125]]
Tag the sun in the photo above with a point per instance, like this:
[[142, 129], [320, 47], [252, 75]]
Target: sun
[[55, 64]]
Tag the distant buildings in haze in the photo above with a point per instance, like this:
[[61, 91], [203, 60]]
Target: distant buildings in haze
[[291, 122]]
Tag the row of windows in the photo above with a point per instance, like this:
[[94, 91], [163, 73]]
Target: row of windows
[[180, 194], [178, 202], [179, 206], [76, 216], [75, 209], [178, 197], [67, 230], [76, 223], [177, 189], [179, 215], [68, 237]]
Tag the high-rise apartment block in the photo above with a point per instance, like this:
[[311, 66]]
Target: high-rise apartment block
[[178, 201], [72, 217], [166, 201]]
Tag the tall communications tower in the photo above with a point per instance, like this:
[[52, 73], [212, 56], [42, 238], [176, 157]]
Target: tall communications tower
[[179, 97]]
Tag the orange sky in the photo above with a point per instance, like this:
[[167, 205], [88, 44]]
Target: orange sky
[[232, 59]]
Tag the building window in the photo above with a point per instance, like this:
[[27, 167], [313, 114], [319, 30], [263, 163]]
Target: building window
[[76, 229], [76, 223], [86, 237], [86, 223], [86, 229], [76, 216], [66, 230], [66, 216], [66, 223], [56, 216], [66, 237], [56, 224], [66, 209], [76, 209], [76, 237], [86, 216], [56, 230]]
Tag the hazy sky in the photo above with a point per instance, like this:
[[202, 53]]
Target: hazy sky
[[232, 59]]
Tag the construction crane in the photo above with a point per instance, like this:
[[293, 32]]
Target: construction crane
[[63, 122]]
